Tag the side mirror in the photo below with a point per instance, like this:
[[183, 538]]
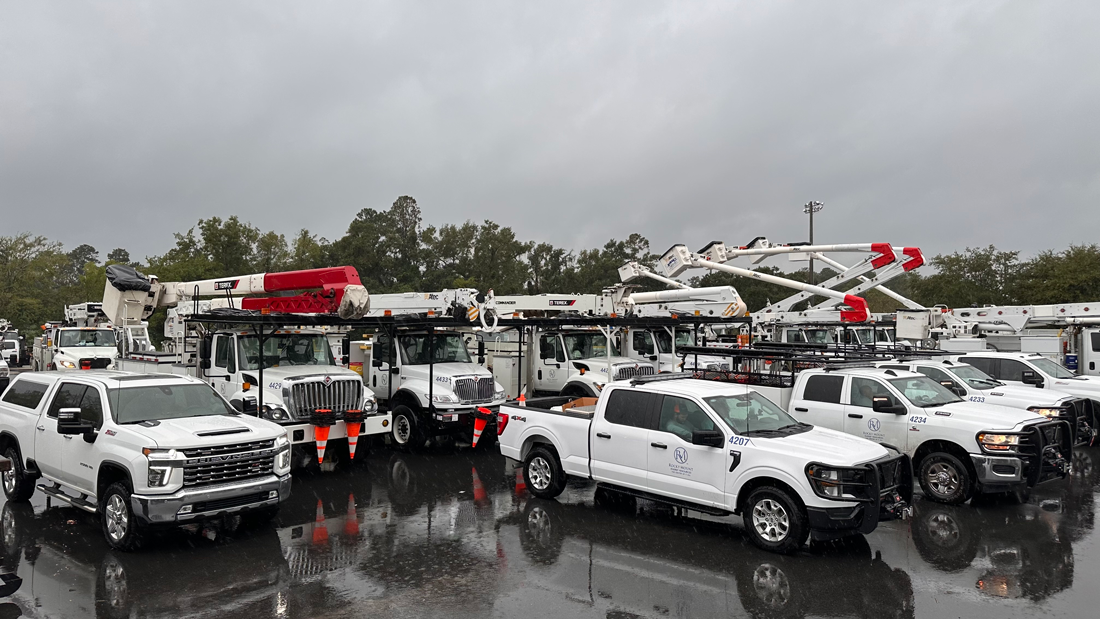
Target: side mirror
[[886, 404], [345, 347], [481, 351], [376, 362], [69, 422], [1031, 378], [395, 370], [204, 352], [707, 438], [653, 357]]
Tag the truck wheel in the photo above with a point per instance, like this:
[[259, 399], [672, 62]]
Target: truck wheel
[[17, 487], [944, 479], [774, 520], [543, 473], [406, 430], [120, 525]]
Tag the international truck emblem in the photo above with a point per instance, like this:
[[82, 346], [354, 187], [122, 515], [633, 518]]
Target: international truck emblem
[[327, 381]]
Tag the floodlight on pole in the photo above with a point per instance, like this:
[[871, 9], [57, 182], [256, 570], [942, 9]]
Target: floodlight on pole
[[810, 208]]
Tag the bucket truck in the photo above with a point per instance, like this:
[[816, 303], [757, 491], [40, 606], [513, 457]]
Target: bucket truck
[[286, 375], [85, 340]]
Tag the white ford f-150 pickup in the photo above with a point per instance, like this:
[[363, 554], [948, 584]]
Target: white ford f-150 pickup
[[139, 450], [717, 448], [958, 448]]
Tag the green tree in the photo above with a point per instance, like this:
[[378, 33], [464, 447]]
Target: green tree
[[553, 269], [230, 245], [498, 260], [34, 281], [119, 255], [272, 254], [1069, 276], [448, 254], [309, 252], [971, 278]]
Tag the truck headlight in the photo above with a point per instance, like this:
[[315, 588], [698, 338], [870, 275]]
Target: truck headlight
[[598, 386], [999, 442], [1046, 411], [274, 413], [68, 365], [838, 484], [445, 398], [158, 476], [282, 459], [161, 462], [498, 394], [370, 406]]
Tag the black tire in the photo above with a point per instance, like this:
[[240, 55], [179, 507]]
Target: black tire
[[944, 479], [121, 527], [17, 485], [406, 432], [774, 521], [543, 474]]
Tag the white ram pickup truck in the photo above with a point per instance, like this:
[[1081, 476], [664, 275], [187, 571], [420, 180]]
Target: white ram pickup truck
[[139, 450], [716, 448], [1036, 371], [958, 448], [974, 385]]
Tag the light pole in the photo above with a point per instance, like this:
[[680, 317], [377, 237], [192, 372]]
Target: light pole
[[810, 208]]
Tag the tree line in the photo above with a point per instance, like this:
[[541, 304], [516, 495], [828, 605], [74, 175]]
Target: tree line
[[394, 251]]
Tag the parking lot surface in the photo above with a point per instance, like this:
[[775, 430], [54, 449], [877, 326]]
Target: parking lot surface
[[455, 534]]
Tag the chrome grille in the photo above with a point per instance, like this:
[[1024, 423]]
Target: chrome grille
[[226, 463], [339, 396], [626, 372], [474, 390]]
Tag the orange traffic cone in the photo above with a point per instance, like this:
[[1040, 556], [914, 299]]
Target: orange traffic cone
[[522, 399], [521, 485], [351, 521], [322, 420], [481, 419], [480, 496], [353, 421], [320, 531]]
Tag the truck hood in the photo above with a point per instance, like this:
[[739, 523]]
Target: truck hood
[[445, 371], [1031, 395], [88, 352], [192, 431], [1078, 385], [982, 416], [825, 446], [288, 372], [599, 364]]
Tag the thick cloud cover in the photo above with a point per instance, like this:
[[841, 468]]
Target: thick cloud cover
[[943, 125]]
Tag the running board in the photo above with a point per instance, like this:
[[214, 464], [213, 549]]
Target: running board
[[649, 496], [61, 496]]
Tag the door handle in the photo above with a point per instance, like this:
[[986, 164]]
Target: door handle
[[68, 437], [659, 445], [799, 409], [602, 435], [41, 428], [855, 416]]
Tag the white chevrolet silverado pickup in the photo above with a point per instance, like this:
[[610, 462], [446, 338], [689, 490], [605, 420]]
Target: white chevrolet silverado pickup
[[717, 448], [959, 448], [139, 450]]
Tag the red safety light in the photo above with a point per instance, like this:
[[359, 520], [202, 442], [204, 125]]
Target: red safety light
[[85, 364], [502, 421]]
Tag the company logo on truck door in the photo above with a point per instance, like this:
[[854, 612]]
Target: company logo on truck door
[[230, 284]]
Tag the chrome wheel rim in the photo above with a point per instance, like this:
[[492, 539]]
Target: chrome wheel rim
[[539, 473], [943, 479], [771, 585], [770, 520], [402, 429], [9, 481], [118, 519]]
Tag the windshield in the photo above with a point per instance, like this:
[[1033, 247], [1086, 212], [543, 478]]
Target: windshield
[[664, 340], [587, 346], [974, 377], [1052, 368], [446, 348], [283, 349], [819, 336], [751, 412], [923, 391], [137, 404], [8, 344], [86, 337]]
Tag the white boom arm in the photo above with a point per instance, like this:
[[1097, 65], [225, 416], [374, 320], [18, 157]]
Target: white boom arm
[[915, 259], [1016, 318]]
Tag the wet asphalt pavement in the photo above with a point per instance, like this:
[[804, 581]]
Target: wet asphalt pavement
[[452, 533]]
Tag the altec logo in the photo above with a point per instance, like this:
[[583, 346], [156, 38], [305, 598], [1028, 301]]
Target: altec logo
[[227, 285]]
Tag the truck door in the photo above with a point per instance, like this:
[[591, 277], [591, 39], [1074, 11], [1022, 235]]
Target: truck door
[[861, 420], [49, 446], [223, 373], [677, 468], [620, 438], [1088, 363], [820, 402], [382, 358], [81, 466], [551, 367]]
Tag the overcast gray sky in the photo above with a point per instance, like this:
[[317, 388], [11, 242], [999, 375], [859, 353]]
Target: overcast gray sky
[[942, 125]]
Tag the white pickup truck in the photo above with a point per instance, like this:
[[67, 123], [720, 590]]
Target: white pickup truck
[[139, 450], [716, 448], [958, 448], [974, 385]]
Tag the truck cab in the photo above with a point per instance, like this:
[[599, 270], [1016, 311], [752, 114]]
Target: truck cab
[[958, 448], [427, 381], [76, 348], [579, 362], [656, 345]]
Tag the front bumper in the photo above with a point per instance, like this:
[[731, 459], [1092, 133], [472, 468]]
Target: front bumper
[[1042, 456], [377, 423], [211, 501], [890, 492], [999, 473]]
